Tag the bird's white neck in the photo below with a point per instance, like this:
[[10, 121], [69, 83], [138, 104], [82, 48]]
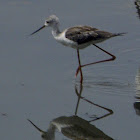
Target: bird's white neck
[[55, 30]]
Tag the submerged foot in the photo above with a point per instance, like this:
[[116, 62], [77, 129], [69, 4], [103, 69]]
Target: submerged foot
[[81, 74]]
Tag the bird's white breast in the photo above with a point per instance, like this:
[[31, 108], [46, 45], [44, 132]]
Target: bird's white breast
[[63, 40], [60, 126]]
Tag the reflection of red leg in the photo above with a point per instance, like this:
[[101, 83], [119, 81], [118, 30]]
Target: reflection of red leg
[[80, 69], [106, 60], [78, 93]]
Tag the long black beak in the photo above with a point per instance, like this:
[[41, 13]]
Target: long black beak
[[36, 126], [38, 30]]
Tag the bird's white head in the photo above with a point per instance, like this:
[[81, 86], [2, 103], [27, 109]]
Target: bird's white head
[[44, 135], [52, 21]]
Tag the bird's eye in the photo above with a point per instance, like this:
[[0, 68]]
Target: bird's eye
[[48, 22]]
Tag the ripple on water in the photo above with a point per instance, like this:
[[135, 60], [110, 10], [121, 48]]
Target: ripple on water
[[108, 84]]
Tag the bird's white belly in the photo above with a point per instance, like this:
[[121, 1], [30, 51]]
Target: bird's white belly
[[66, 42], [60, 126], [72, 44]]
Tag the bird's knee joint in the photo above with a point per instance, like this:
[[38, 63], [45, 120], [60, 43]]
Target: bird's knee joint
[[113, 58]]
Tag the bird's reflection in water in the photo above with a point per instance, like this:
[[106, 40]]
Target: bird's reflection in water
[[79, 95], [137, 102], [137, 3], [75, 127]]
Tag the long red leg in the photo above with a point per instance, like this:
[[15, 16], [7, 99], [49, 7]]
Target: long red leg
[[80, 69], [106, 60]]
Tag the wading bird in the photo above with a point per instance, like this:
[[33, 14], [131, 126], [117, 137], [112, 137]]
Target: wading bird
[[79, 37]]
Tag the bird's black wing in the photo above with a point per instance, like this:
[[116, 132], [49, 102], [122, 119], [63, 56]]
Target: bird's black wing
[[81, 34]]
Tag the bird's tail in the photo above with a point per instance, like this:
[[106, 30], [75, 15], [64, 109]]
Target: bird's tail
[[119, 34]]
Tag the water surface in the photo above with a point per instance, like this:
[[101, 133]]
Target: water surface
[[37, 74]]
